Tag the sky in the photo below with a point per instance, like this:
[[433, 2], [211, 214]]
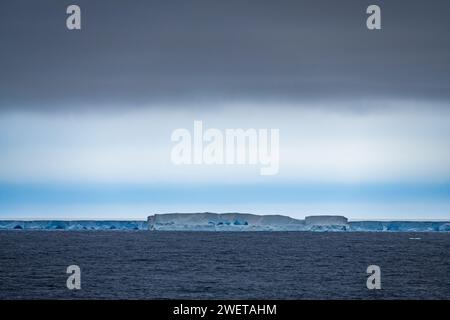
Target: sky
[[86, 116]]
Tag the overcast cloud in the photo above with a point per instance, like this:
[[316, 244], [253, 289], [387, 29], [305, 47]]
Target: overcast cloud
[[178, 53]]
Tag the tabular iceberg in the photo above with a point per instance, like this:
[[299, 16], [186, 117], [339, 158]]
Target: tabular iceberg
[[208, 221]]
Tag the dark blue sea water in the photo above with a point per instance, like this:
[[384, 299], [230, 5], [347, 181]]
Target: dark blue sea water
[[223, 265]]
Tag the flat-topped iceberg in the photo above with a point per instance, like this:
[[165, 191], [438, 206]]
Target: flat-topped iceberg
[[326, 223], [208, 221]]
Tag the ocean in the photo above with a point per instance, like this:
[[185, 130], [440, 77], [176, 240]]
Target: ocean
[[223, 265]]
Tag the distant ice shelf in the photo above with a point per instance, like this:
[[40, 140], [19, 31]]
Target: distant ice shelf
[[72, 225], [231, 222]]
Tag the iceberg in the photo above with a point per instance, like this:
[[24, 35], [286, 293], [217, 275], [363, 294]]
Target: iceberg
[[208, 221]]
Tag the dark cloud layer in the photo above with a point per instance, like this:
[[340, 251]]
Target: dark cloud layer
[[132, 53]]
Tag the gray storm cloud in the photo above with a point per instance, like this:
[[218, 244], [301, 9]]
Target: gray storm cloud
[[167, 53]]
